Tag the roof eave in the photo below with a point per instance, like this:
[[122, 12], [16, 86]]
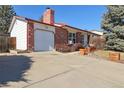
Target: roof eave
[[81, 29], [13, 21]]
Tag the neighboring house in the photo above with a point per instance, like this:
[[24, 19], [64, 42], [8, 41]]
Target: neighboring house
[[46, 35], [100, 33]]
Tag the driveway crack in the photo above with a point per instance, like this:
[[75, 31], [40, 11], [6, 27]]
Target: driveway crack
[[49, 78]]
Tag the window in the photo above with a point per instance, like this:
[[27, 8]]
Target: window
[[72, 38]]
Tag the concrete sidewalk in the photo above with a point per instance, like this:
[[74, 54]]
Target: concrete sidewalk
[[55, 70]]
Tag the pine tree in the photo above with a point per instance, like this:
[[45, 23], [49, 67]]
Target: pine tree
[[6, 14], [113, 24]]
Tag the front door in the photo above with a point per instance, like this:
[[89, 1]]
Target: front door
[[84, 39]]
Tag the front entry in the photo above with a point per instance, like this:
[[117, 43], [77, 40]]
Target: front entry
[[84, 39]]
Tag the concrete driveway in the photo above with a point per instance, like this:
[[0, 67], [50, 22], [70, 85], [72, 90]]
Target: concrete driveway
[[56, 70]]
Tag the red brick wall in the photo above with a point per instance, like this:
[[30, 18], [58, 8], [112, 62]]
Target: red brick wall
[[30, 36], [78, 37], [48, 16], [61, 36]]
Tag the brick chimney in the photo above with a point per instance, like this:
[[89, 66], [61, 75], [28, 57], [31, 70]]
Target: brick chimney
[[48, 16]]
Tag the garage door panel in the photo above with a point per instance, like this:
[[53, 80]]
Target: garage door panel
[[43, 40]]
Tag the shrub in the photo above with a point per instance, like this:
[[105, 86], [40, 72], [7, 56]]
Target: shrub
[[68, 47], [76, 47], [98, 42], [62, 48]]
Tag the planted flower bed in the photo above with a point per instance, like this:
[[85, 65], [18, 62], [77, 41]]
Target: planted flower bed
[[114, 56], [110, 55], [68, 47]]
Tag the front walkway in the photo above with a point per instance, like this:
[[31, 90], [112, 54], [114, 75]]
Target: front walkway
[[51, 69]]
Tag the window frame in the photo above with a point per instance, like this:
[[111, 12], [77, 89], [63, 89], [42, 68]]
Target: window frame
[[72, 37]]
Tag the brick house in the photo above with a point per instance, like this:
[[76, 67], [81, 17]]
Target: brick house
[[46, 35]]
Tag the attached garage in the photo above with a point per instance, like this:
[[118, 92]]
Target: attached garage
[[43, 40], [32, 35]]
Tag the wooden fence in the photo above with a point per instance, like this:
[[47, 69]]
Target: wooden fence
[[7, 42], [4, 46], [12, 42]]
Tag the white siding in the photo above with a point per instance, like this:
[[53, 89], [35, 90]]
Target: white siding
[[44, 27], [19, 31]]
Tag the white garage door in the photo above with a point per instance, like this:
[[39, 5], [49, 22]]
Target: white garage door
[[43, 40]]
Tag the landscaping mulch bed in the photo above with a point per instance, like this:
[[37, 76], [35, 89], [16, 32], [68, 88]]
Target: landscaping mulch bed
[[102, 54]]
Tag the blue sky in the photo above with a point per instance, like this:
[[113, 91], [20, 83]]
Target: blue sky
[[86, 17]]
